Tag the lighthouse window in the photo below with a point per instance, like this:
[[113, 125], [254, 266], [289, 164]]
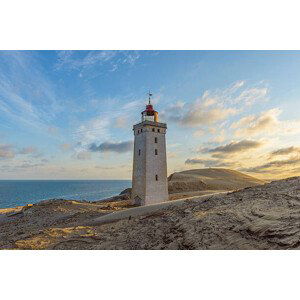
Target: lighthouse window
[[138, 131], [156, 177], [155, 151], [153, 129], [139, 151], [142, 130], [158, 130], [155, 140]]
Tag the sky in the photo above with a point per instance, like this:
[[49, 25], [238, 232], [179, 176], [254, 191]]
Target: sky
[[69, 114]]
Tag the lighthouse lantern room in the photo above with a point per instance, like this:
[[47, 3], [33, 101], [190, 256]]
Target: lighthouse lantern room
[[149, 114]]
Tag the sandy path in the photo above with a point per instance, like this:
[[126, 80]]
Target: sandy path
[[150, 209]]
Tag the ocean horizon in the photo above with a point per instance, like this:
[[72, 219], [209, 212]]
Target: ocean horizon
[[21, 192]]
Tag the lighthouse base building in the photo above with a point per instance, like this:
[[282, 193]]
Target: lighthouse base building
[[149, 177]]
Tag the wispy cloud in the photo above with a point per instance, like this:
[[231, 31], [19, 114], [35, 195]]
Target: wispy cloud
[[21, 166], [28, 150], [215, 105], [118, 147], [92, 131], [234, 147], [6, 151], [27, 97], [197, 116], [199, 161], [273, 166], [266, 123], [112, 167], [252, 95], [121, 122], [83, 155], [211, 163], [75, 60], [285, 151], [253, 125], [199, 133], [219, 138]]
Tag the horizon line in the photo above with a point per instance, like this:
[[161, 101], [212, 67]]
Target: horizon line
[[65, 179]]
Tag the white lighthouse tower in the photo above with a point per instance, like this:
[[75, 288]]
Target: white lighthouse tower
[[149, 177]]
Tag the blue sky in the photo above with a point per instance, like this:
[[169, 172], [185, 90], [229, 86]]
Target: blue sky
[[231, 109]]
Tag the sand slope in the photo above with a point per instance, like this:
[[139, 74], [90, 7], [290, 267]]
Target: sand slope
[[210, 179]]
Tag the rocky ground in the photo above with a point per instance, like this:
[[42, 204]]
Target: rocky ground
[[261, 217]]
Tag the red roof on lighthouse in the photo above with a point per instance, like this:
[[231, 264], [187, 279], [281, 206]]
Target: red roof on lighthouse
[[149, 107], [149, 113]]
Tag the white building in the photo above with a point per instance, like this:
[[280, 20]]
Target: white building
[[149, 177]]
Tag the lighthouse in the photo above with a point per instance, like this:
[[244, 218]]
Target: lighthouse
[[149, 176]]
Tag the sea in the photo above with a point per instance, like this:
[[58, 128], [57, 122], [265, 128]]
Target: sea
[[21, 192]]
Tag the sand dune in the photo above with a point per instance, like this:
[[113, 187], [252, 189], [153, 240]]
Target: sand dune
[[210, 179]]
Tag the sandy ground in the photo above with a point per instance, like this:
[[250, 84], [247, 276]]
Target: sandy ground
[[193, 194], [33, 220], [260, 217]]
